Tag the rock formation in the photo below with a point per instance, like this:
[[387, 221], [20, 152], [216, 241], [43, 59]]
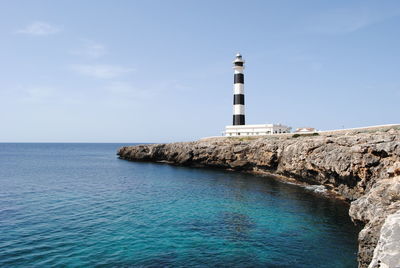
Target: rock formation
[[387, 252], [359, 167], [373, 209]]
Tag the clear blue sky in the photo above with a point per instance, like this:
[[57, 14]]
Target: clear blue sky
[[154, 71]]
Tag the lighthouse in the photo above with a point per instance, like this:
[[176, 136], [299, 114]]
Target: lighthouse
[[238, 127], [238, 91]]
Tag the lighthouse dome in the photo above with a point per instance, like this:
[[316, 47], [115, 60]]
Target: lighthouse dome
[[238, 59]]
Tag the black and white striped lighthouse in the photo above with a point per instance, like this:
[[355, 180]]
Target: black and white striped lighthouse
[[238, 91]]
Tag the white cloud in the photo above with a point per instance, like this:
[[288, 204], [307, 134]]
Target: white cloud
[[342, 21], [30, 93], [91, 49], [39, 28], [40, 93], [120, 87], [126, 90], [103, 71]]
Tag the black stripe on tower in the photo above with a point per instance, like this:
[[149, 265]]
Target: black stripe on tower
[[239, 63], [238, 99], [238, 78], [238, 119]]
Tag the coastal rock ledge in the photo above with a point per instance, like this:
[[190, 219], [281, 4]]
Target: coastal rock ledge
[[360, 167]]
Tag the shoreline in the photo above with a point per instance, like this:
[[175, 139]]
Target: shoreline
[[328, 191], [359, 167]]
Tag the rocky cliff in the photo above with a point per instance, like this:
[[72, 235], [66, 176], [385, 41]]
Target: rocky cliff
[[359, 167]]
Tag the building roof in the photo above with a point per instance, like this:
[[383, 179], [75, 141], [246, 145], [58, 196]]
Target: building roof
[[305, 129]]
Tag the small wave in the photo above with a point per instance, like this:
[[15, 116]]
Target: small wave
[[316, 188]]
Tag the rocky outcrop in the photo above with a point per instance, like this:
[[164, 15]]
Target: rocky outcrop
[[387, 252], [359, 167], [373, 209]]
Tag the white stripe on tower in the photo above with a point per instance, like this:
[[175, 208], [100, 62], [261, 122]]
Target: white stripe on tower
[[238, 91], [238, 109]]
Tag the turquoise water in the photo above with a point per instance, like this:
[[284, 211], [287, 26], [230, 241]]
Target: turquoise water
[[77, 205]]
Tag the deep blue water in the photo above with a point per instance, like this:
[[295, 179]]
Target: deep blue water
[[78, 205]]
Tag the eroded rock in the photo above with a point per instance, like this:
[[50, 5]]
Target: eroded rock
[[361, 167], [387, 252], [373, 208]]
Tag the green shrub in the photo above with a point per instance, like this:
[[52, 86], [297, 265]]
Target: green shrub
[[296, 135]]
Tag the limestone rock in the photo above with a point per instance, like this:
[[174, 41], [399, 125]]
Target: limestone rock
[[373, 208], [387, 252], [361, 167]]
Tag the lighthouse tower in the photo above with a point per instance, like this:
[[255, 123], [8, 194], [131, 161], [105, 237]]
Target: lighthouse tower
[[239, 128], [238, 91]]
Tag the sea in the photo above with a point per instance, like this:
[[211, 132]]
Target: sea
[[78, 205]]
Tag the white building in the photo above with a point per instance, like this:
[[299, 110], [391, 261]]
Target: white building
[[305, 130], [256, 130], [239, 128]]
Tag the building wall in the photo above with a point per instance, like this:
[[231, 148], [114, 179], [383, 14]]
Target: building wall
[[256, 130]]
